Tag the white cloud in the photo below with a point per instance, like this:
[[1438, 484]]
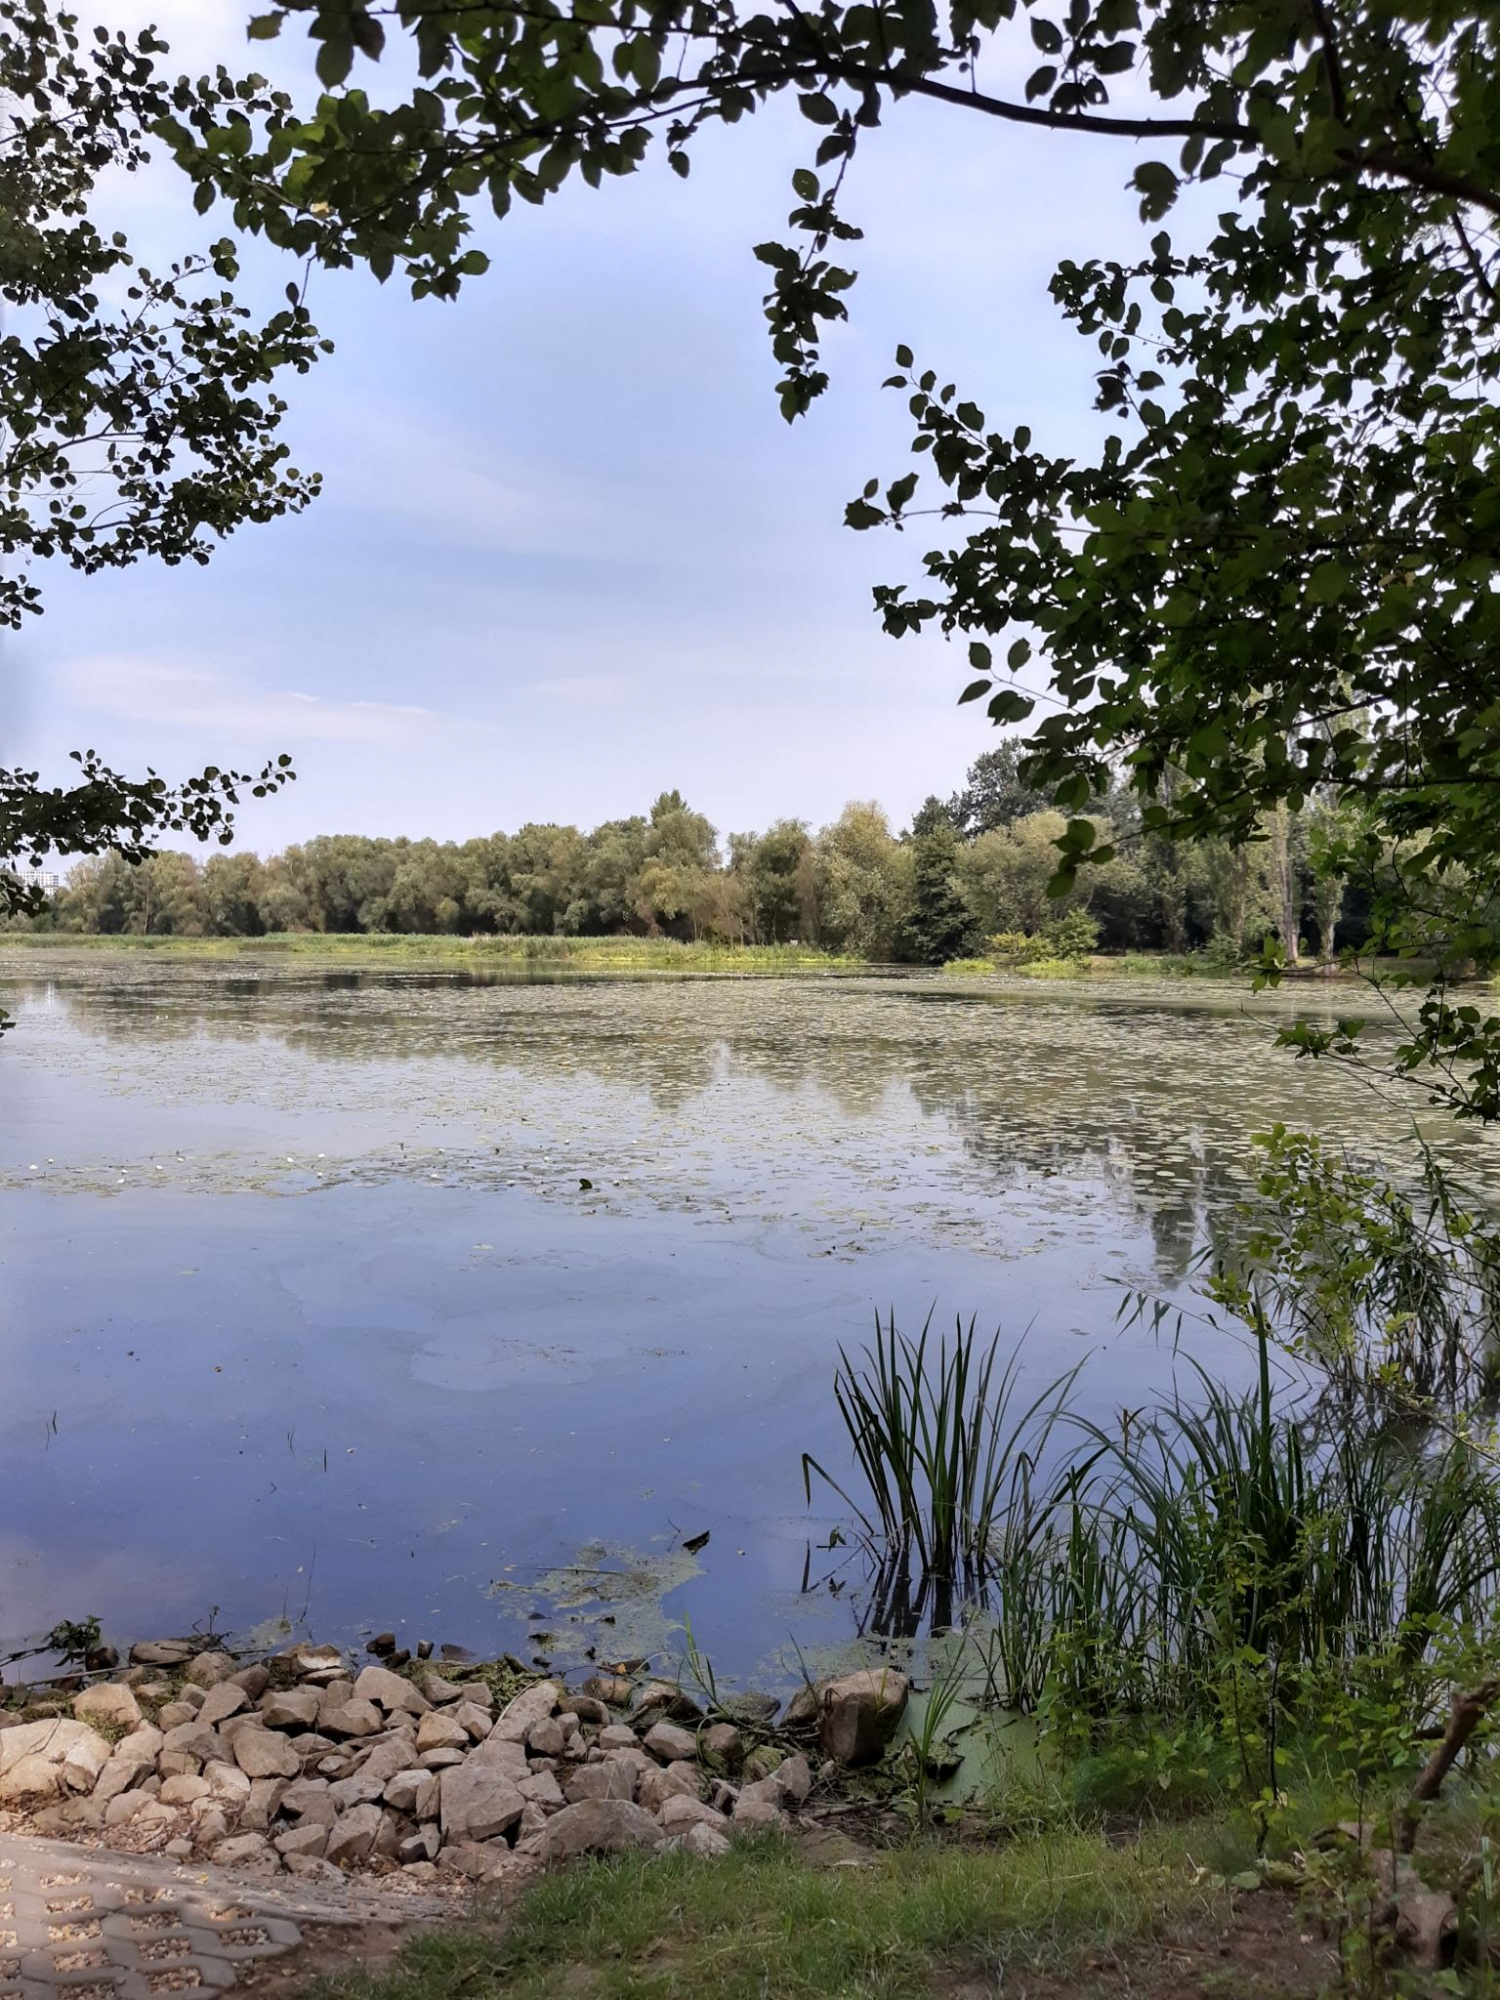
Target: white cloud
[[155, 692]]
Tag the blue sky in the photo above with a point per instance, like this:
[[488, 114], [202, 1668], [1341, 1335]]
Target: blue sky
[[568, 553]]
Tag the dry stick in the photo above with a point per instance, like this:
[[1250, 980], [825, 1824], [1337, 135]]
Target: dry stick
[[1467, 1712]]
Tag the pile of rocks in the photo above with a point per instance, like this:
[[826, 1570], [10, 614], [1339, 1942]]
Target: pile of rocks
[[305, 1765]]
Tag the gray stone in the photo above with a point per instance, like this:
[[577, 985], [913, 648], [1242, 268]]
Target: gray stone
[[793, 1779], [618, 1736], [416, 1792], [227, 1783], [530, 1705], [311, 1869], [310, 1661], [597, 1826], [246, 1850], [42, 1760], [665, 1700], [709, 1842], [665, 1781], [440, 1760], [860, 1712], [302, 1793], [721, 1747], [260, 1808], [262, 1753], [310, 1838], [587, 1708], [110, 1703], [671, 1744], [757, 1815], [803, 1709], [183, 1791], [545, 1738], [210, 1823], [132, 1757], [500, 1753], [420, 1847], [762, 1761], [391, 1691], [351, 1718], [163, 1652], [206, 1670], [441, 1732], [353, 1835], [125, 1807], [612, 1779], [254, 1679], [477, 1802], [472, 1718], [290, 1708], [191, 1739], [439, 1691], [173, 1714], [680, 1812], [223, 1701]]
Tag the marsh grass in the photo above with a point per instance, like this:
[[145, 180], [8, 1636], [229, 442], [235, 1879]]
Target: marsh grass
[[1227, 1541], [593, 954]]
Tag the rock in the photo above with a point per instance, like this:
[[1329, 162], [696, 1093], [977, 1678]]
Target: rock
[[474, 1720], [531, 1705], [597, 1826], [762, 1761], [709, 1842], [803, 1709], [247, 1850], [173, 1714], [303, 1793], [665, 1699], [350, 1718], [477, 1802], [793, 1780], [477, 1692], [262, 1753], [311, 1869], [415, 1792], [163, 1652], [666, 1781], [499, 1753], [210, 1824], [227, 1784], [254, 1680], [191, 1739], [183, 1791], [206, 1670], [131, 1759], [533, 1819], [586, 1708], [612, 1689], [261, 1806], [308, 1839], [393, 1692], [291, 1708], [439, 1760], [223, 1701], [110, 1703], [545, 1738], [126, 1806], [441, 1731], [860, 1712], [681, 1812], [180, 1849], [353, 1835], [315, 1662], [618, 1736], [477, 1861], [757, 1815], [42, 1760], [721, 1746], [543, 1790], [608, 1780], [421, 1847], [670, 1743], [439, 1691], [382, 1645], [753, 1710]]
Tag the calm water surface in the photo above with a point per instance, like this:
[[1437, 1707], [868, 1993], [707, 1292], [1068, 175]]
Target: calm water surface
[[396, 1299]]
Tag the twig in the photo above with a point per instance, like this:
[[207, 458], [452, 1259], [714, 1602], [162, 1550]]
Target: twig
[[1468, 1711]]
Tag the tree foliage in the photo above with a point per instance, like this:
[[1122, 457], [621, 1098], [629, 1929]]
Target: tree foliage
[[137, 416], [1278, 570]]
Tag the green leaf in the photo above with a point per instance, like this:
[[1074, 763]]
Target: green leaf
[[1328, 582], [818, 109], [335, 58], [974, 690], [1047, 36], [805, 184], [1018, 655], [904, 357], [264, 27], [979, 656]]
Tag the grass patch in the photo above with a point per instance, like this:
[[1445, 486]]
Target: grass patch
[[761, 1921], [583, 954]]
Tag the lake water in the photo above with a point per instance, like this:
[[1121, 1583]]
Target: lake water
[[396, 1299]]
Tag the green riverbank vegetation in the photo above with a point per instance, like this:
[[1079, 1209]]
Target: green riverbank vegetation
[[967, 881]]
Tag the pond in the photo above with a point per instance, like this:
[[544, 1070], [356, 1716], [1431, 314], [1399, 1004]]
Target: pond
[[340, 1301]]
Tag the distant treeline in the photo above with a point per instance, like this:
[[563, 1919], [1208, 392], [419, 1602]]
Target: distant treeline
[[967, 868]]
